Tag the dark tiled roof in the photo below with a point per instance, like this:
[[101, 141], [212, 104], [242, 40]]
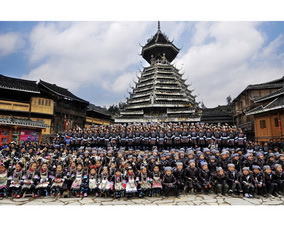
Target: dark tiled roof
[[98, 109], [277, 103], [218, 111], [22, 122], [18, 84], [270, 96], [159, 37], [61, 91], [273, 84]]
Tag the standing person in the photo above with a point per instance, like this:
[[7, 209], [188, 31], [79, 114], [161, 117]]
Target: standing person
[[169, 183]]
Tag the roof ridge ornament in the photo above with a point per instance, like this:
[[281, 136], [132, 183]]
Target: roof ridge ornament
[[159, 26]]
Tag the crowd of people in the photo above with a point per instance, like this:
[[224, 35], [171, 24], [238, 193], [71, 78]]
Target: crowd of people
[[157, 159]]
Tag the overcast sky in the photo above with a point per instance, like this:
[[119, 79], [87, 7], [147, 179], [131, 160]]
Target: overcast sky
[[97, 61]]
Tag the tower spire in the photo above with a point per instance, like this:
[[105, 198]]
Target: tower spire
[[159, 26]]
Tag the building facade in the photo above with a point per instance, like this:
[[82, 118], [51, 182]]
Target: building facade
[[161, 94], [269, 117], [55, 107], [244, 102]]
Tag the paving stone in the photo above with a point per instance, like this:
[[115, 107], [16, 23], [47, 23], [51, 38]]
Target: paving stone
[[181, 203], [253, 201], [165, 201], [211, 204], [205, 197], [190, 203], [99, 199], [36, 202], [209, 200], [275, 202], [87, 201], [191, 200], [237, 201], [197, 202]]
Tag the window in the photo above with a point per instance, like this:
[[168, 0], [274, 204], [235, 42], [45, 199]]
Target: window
[[39, 101], [276, 122], [262, 124]]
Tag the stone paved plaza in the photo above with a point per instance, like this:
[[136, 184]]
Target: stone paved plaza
[[194, 200]]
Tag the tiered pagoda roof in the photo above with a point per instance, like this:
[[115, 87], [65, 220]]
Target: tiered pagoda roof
[[161, 93]]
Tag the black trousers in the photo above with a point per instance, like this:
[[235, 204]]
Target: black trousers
[[222, 188], [168, 189], [248, 189], [193, 185], [271, 187]]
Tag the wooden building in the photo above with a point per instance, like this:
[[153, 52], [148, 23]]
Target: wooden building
[[69, 110], [22, 99], [97, 115], [269, 116], [47, 103], [245, 102]]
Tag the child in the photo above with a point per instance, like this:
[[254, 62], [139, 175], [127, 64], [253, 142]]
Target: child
[[205, 177], [119, 184], [57, 181], [157, 182], [233, 179], [213, 164], [144, 182], [29, 180], [131, 187], [178, 174], [77, 181], [258, 180], [191, 175], [42, 188], [279, 178], [16, 177], [247, 182], [3, 180], [269, 181], [220, 181], [104, 183], [236, 161], [169, 183], [93, 181]]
